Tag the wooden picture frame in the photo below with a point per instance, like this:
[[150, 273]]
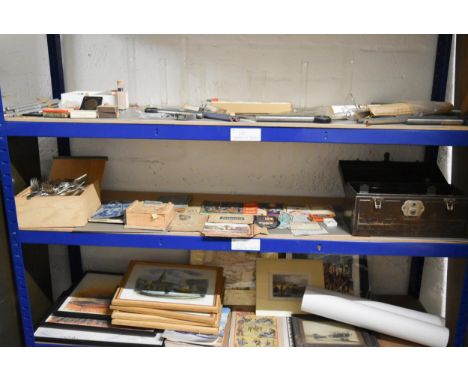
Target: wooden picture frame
[[201, 294], [310, 330]]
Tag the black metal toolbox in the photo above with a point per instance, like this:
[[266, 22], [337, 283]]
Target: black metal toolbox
[[385, 198]]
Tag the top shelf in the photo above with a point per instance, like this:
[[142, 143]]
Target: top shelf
[[209, 130]]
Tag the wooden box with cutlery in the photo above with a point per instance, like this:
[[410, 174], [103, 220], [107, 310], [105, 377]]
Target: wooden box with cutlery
[[67, 199]]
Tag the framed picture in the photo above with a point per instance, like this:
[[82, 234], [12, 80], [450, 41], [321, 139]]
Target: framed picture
[[91, 298], [91, 324], [249, 330], [192, 288], [310, 330], [281, 284], [238, 270], [94, 338]]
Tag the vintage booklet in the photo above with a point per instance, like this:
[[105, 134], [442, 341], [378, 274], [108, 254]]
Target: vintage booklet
[[112, 212]]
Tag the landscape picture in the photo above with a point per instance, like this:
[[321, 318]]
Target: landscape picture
[[330, 333], [290, 286], [170, 284], [173, 283], [99, 306]]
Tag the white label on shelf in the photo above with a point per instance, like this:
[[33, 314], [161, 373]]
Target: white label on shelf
[[245, 244], [246, 135]]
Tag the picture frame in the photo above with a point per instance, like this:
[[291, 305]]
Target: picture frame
[[310, 331], [68, 336], [182, 287], [250, 330], [239, 271], [91, 297], [281, 284]]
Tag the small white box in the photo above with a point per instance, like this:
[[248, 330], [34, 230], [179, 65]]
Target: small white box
[[74, 99]]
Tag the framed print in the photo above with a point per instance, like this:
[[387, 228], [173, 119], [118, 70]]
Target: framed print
[[310, 330], [238, 270], [249, 330], [192, 288], [92, 296], [91, 324], [94, 338], [281, 284]]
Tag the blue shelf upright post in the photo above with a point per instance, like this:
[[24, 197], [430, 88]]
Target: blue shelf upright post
[[13, 233]]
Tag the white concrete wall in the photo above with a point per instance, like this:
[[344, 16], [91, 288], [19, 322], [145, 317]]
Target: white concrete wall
[[307, 70]]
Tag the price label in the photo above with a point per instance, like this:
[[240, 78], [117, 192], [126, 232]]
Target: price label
[[246, 135], [245, 244]]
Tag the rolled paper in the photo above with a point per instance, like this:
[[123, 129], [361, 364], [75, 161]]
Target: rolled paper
[[430, 318], [390, 320]]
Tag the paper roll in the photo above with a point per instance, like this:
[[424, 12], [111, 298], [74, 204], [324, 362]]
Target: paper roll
[[430, 318], [364, 314]]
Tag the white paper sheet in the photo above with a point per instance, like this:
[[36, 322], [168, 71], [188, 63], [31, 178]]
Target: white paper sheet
[[394, 321]]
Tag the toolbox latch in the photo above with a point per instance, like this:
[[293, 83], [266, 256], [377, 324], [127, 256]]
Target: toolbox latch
[[413, 208], [449, 203], [378, 203]]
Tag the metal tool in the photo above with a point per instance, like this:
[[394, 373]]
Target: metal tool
[[175, 113], [221, 117], [34, 107], [292, 118]]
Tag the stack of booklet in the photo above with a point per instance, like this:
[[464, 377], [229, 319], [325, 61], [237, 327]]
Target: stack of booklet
[[170, 296], [175, 338]]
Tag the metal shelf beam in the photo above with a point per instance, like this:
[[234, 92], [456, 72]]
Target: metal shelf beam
[[210, 132], [167, 241]]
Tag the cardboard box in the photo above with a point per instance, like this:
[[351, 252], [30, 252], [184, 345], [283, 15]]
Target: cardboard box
[[63, 211], [149, 215]]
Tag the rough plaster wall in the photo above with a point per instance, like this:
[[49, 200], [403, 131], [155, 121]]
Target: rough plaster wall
[[24, 77]]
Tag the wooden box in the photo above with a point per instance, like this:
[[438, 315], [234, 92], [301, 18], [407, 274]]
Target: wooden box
[[63, 211], [149, 215], [411, 199]]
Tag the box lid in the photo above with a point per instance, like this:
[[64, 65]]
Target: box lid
[[73, 167], [395, 177]]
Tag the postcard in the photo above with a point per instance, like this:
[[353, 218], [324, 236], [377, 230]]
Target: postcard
[[249, 330], [309, 330], [193, 288], [231, 218], [227, 230], [281, 284], [269, 221]]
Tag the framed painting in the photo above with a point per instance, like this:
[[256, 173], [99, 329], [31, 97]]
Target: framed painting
[[281, 284], [310, 330], [191, 288]]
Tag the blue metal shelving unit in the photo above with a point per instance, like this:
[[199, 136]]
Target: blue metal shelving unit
[[220, 132]]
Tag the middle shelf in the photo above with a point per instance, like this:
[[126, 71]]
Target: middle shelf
[[337, 241]]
